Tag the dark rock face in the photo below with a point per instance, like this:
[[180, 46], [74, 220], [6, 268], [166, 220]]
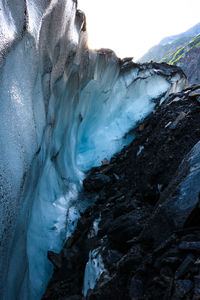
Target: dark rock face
[[145, 221], [96, 182], [190, 63]]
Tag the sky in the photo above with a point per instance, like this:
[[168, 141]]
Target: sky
[[131, 27]]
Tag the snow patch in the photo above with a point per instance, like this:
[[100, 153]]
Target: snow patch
[[140, 150], [95, 227], [93, 270]]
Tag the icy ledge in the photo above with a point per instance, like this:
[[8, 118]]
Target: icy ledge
[[63, 109]]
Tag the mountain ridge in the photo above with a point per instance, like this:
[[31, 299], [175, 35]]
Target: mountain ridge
[[182, 50], [190, 32]]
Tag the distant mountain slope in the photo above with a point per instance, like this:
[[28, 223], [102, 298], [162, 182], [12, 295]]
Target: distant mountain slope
[[189, 33], [174, 56], [182, 50]]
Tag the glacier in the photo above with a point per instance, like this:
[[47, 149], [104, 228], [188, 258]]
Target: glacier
[[64, 108]]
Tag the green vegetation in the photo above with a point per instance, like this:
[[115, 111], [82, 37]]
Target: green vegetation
[[173, 57]]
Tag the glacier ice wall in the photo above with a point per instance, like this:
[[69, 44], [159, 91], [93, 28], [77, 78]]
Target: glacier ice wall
[[63, 109]]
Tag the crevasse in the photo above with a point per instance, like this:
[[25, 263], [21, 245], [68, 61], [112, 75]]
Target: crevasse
[[64, 108]]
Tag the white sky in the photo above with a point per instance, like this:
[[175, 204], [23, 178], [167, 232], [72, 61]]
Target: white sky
[[131, 27]]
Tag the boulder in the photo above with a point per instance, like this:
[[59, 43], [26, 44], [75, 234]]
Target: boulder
[[178, 201], [96, 182]]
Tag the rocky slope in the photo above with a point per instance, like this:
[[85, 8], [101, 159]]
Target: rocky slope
[[141, 238], [182, 50]]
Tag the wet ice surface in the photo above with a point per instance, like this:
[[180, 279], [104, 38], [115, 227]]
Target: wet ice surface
[[93, 270], [63, 110]]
